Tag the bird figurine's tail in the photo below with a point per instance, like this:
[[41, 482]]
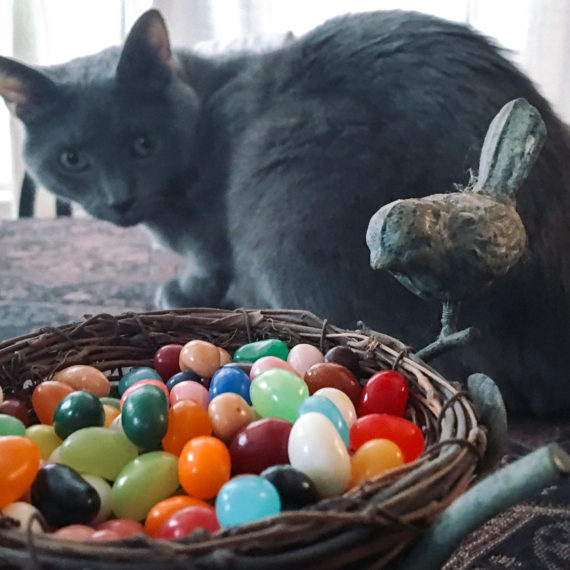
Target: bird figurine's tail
[[511, 146]]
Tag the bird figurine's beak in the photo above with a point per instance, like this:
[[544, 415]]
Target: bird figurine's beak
[[378, 260]]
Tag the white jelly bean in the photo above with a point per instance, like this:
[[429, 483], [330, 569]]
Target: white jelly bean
[[341, 401]]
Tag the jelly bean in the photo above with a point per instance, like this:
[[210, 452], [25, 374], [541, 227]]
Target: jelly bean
[[186, 419], [108, 401], [166, 359], [123, 528], [135, 375], [230, 380], [278, 393], [186, 376], [98, 451], [45, 398], [63, 496], [84, 377], [225, 357], [341, 401], [203, 357], [245, 499], [151, 382], [74, 532], [405, 434], [266, 363], [295, 489], [54, 456], [146, 480], [105, 535], [185, 521], [190, 391], [104, 491], [254, 350], [45, 438], [16, 408], [374, 458], [345, 357], [10, 425], [324, 406], [244, 365], [229, 413], [110, 414], [1, 395], [329, 374], [25, 514], [145, 417], [259, 445], [303, 356], [77, 410], [386, 392], [163, 510], [316, 449], [19, 463], [204, 466]]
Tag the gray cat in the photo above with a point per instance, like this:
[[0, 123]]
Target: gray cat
[[264, 170]]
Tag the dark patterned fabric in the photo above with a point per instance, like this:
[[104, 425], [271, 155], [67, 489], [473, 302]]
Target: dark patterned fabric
[[53, 272]]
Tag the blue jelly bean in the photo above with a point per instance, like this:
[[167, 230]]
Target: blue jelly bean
[[137, 374], [324, 406], [230, 379], [185, 376], [245, 499]]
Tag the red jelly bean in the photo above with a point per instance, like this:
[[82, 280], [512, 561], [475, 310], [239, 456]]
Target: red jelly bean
[[166, 360], [16, 408], [386, 392], [124, 528], [405, 434], [187, 520], [332, 375]]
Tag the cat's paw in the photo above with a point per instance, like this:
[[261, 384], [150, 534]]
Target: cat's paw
[[169, 295], [197, 293]]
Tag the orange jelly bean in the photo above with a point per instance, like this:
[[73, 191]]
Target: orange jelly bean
[[19, 464], [110, 414], [204, 466], [186, 419], [45, 398], [84, 377], [164, 509], [374, 458], [203, 357]]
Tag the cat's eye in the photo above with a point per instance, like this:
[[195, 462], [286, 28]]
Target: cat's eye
[[145, 145], [74, 160]]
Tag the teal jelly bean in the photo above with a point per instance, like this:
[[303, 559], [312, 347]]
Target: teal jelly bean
[[77, 410], [136, 374], [98, 451], [146, 480], [145, 416], [245, 499], [278, 393], [10, 425], [324, 406], [255, 350]]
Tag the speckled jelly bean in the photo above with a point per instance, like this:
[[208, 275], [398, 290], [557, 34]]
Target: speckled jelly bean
[[146, 480], [295, 489], [10, 425], [246, 499], [374, 458], [302, 356], [98, 451], [324, 406], [254, 350], [45, 398], [278, 393], [329, 374], [19, 464], [341, 400], [229, 379], [84, 377], [44, 437], [186, 419], [166, 360], [260, 444], [77, 410], [135, 375], [316, 449], [229, 413]]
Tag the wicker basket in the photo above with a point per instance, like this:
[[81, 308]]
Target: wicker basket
[[367, 527]]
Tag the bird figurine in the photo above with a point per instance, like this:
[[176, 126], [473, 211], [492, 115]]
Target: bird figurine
[[451, 246]]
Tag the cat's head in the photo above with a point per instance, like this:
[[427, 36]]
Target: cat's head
[[113, 131]]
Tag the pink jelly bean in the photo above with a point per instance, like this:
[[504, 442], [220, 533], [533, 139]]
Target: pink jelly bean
[[303, 356], [106, 534], [190, 391], [124, 528], [74, 532], [266, 363]]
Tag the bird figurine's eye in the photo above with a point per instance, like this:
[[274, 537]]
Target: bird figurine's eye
[[74, 160], [144, 146]]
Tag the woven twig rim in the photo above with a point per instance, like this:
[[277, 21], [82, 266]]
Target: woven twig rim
[[366, 527]]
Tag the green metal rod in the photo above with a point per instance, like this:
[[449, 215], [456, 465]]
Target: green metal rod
[[510, 485]]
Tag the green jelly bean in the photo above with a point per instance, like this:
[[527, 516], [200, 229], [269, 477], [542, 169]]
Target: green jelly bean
[[145, 417], [109, 401], [77, 410], [45, 438], [98, 451], [146, 480], [10, 425], [136, 375], [278, 393], [255, 350]]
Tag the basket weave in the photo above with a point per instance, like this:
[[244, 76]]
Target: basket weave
[[366, 527]]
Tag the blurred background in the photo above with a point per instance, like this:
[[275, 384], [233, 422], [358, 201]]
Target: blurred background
[[536, 33]]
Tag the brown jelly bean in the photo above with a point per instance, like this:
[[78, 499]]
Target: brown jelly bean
[[330, 374], [345, 357]]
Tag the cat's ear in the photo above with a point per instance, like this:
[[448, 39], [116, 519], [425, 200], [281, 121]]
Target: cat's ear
[[146, 55], [24, 89]]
